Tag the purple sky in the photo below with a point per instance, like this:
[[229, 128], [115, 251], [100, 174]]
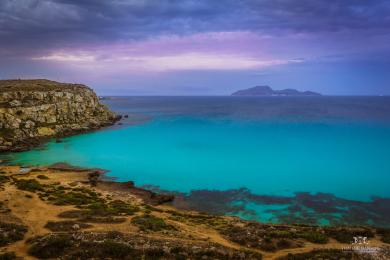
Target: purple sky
[[204, 47]]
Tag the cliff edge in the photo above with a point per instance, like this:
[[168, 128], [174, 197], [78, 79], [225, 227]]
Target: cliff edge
[[33, 110]]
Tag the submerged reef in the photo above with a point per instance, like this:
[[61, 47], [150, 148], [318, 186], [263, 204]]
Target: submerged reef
[[303, 207]]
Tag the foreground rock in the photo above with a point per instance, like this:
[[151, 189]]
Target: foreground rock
[[33, 110]]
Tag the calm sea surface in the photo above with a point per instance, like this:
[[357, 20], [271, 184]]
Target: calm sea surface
[[320, 160]]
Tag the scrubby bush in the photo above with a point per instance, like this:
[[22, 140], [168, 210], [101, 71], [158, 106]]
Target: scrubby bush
[[3, 180], [267, 245], [57, 226], [10, 233], [345, 235], [330, 254], [120, 207], [315, 237], [51, 246], [385, 235], [97, 211], [31, 185], [60, 195], [90, 216], [8, 256], [71, 198], [150, 222], [283, 243], [115, 249], [115, 245]]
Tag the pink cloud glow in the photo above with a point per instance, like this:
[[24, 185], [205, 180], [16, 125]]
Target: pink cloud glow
[[206, 51]]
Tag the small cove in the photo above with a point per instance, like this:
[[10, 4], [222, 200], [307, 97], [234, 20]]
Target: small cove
[[310, 160]]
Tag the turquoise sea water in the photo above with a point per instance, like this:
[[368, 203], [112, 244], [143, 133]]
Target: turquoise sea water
[[316, 160]]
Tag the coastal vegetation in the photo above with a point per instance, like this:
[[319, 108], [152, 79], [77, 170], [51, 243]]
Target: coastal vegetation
[[67, 225], [385, 235], [83, 220], [8, 256], [148, 222], [31, 185], [11, 232]]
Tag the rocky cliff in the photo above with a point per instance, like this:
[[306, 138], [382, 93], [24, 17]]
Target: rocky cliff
[[33, 110]]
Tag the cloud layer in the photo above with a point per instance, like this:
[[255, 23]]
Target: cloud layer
[[121, 37]]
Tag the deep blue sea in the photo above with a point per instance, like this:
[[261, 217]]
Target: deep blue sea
[[319, 160]]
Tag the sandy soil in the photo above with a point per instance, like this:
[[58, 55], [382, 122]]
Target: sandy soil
[[35, 213]]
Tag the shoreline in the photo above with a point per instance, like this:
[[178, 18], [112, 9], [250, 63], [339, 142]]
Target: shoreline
[[38, 142], [23, 190], [222, 202]]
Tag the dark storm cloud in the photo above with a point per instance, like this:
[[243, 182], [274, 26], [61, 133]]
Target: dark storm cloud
[[330, 46], [36, 24], [323, 15]]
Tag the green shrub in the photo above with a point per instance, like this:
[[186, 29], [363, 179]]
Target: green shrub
[[150, 222], [268, 246], [31, 185], [115, 249], [345, 235], [108, 219], [57, 226], [3, 179], [282, 234], [151, 208], [113, 208], [71, 198], [60, 195], [51, 246], [11, 233], [121, 207], [315, 237], [90, 216], [332, 254]]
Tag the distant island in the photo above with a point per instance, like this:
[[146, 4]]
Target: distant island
[[267, 91]]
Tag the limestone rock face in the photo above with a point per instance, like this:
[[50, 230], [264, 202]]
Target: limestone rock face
[[32, 110]]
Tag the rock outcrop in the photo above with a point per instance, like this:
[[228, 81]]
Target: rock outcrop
[[34, 110], [267, 91]]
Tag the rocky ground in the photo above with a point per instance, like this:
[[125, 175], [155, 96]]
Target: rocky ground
[[63, 212]]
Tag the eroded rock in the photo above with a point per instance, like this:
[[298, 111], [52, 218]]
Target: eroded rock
[[34, 110]]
